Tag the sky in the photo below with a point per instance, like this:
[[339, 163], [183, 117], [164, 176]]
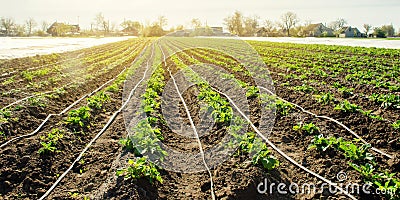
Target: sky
[[180, 12]]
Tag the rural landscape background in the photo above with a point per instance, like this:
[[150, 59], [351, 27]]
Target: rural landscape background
[[200, 100]]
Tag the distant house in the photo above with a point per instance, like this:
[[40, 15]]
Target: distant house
[[130, 31], [217, 30], [349, 31], [3, 32], [62, 29], [262, 32], [318, 30]]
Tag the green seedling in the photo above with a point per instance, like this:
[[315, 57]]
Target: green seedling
[[304, 88], [396, 125], [283, 107], [386, 100], [141, 168], [252, 91], [49, 143], [5, 115], [325, 98], [310, 128], [79, 117], [96, 102], [347, 107], [350, 150]]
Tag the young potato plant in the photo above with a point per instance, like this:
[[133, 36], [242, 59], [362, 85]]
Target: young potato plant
[[49, 143], [371, 115], [96, 101], [221, 109], [346, 92], [350, 150], [304, 88], [79, 118], [37, 101], [252, 91], [144, 141], [396, 125], [5, 115], [347, 107], [141, 168], [310, 128], [325, 98], [283, 107], [249, 143], [383, 181], [386, 100]]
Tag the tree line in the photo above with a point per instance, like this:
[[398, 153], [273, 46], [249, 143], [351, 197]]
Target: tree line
[[288, 24]]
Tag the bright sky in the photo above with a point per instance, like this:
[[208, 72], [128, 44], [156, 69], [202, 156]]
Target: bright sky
[[356, 12]]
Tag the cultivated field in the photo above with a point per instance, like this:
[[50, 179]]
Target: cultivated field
[[200, 118]]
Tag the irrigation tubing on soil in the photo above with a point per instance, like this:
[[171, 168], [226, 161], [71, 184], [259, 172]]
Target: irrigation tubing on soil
[[330, 119], [281, 152], [193, 127], [62, 112], [110, 121]]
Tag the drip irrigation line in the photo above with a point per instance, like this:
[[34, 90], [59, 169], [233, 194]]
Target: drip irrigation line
[[332, 120], [288, 158], [193, 127], [110, 121]]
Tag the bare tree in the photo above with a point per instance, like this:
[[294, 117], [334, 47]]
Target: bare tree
[[367, 28], [102, 23], [289, 20], [341, 22], [269, 25], [235, 23], [195, 23], [251, 25], [30, 25], [162, 21], [7, 24], [338, 24], [45, 26]]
